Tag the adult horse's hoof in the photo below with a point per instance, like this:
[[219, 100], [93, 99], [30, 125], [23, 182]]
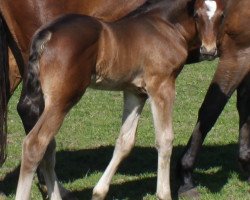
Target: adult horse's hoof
[[2, 196], [191, 194], [66, 194], [69, 196]]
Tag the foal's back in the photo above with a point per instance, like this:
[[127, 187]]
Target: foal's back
[[120, 52]]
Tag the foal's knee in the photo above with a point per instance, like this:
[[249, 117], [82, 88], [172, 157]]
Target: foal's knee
[[125, 143], [164, 145], [32, 154]]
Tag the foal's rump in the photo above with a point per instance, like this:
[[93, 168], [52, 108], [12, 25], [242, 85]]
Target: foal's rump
[[63, 56]]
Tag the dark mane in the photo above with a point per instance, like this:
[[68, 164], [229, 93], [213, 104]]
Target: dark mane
[[143, 8], [172, 8]]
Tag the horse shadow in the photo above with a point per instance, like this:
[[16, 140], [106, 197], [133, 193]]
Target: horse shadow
[[73, 165]]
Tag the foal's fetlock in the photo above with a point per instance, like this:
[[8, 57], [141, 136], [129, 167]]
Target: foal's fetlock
[[96, 196]]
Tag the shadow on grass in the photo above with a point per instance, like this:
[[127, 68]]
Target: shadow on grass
[[72, 165]]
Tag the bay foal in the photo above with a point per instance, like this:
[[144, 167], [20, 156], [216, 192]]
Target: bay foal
[[140, 55]]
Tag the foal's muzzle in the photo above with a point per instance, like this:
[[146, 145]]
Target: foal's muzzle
[[208, 54]]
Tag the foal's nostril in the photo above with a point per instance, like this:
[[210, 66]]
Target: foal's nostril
[[215, 52], [203, 50], [212, 52], [208, 54]]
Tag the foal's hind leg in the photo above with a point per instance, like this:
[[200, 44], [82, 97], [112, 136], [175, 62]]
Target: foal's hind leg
[[30, 107], [133, 105], [243, 106], [59, 98], [34, 147], [162, 95], [47, 168]]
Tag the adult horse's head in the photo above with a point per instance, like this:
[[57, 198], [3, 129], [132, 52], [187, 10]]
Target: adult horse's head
[[208, 15]]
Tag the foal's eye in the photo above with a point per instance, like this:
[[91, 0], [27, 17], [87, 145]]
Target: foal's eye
[[196, 16]]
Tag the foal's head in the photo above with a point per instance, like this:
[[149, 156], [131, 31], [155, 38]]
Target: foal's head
[[208, 15]]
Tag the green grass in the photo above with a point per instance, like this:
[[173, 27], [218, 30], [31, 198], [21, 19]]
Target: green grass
[[86, 140]]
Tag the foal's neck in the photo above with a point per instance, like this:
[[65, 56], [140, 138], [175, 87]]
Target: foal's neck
[[180, 14]]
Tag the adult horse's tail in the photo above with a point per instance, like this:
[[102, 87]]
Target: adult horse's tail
[[4, 71]]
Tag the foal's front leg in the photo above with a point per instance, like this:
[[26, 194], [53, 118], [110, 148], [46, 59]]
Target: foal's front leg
[[162, 95], [133, 105]]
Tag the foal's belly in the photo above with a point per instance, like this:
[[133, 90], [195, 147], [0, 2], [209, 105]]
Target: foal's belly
[[126, 83]]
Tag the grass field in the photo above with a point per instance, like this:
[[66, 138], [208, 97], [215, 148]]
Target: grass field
[[85, 144]]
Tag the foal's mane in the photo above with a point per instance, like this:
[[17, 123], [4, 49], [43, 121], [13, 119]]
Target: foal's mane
[[171, 8]]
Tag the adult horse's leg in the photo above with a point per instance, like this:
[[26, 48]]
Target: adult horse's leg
[[162, 95], [212, 106], [229, 74], [14, 75], [133, 105], [243, 106], [4, 89]]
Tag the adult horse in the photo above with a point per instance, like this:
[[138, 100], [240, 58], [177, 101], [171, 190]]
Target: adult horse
[[18, 22], [141, 55], [231, 74]]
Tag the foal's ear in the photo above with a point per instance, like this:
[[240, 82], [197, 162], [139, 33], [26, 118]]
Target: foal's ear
[[191, 7], [220, 4]]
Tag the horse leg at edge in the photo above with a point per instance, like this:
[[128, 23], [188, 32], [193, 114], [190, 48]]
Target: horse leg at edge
[[133, 105], [243, 106]]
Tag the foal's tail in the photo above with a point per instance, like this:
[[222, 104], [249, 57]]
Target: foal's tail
[[4, 70], [31, 104], [39, 41]]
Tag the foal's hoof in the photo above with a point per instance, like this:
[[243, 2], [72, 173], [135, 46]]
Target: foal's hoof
[[2, 196], [97, 197], [191, 194]]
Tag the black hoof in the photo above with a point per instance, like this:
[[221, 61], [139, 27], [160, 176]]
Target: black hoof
[[248, 180], [245, 169], [191, 194], [69, 196]]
